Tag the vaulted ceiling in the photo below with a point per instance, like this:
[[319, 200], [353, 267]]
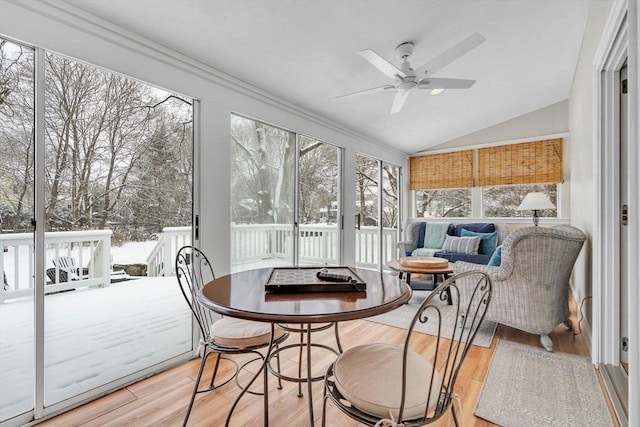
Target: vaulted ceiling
[[306, 51]]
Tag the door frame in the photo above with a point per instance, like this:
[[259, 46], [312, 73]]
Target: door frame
[[618, 43], [40, 412], [380, 207]]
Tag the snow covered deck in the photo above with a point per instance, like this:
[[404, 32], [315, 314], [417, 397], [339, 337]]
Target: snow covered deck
[[92, 336]]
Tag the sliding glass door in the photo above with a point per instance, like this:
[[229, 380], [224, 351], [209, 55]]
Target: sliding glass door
[[109, 161], [17, 99], [285, 198], [117, 175], [318, 203], [377, 212]]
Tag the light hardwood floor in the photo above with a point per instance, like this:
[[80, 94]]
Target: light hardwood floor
[[161, 400]]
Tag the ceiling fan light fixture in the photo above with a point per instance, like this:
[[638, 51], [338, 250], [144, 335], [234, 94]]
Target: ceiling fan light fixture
[[406, 79]]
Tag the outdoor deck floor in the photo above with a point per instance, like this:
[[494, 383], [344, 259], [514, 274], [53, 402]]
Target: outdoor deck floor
[[92, 336]]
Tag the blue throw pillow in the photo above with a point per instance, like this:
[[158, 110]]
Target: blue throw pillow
[[487, 244], [421, 230], [478, 227], [496, 258]]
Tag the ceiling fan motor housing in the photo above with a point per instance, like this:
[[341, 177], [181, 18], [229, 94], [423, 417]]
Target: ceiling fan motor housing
[[406, 84], [404, 50]]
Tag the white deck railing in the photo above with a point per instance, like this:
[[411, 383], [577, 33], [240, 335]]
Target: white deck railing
[[259, 242], [318, 244], [368, 244], [89, 249], [161, 260]]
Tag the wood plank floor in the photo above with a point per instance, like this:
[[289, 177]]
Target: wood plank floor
[[161, 400]]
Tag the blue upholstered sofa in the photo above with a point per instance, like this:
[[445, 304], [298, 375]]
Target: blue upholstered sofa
[[415, 235]]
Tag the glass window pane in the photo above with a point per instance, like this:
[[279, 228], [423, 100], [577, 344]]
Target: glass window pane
[[262, 194], [17, 376], [118, 180], [367, 208], [390, 211], [443, 203], [318, 202], [503, 201]]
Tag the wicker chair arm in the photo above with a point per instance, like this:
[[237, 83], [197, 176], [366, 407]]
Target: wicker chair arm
[[406, 246], [495, 272]]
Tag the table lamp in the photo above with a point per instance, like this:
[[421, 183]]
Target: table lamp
[[535, 201]]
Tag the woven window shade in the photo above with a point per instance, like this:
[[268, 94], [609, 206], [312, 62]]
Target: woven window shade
[[446, 170], [538, 162]]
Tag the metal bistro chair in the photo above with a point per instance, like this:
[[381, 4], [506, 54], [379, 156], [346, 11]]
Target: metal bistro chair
[[388, 384], [219, 336]]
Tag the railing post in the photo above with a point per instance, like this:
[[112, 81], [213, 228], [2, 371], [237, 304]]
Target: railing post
[[2, 268], [272, 242], [106, 261], [166, 258], [325, 240]]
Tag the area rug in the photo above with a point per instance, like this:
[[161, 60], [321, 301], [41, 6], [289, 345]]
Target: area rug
[[401, 318], [529, 386]]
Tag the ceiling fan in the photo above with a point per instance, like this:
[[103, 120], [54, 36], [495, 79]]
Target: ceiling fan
[[406, 79]]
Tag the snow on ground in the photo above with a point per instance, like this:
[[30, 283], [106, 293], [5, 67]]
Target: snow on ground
[[92, 337], [132, 252]]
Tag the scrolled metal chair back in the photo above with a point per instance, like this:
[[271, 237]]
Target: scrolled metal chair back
[[452, 342], [194, 270]]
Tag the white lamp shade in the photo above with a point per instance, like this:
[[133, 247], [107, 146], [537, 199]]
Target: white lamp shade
[[535, 201]]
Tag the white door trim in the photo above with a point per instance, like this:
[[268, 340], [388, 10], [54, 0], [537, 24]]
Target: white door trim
[[610, 57], [619, 41]]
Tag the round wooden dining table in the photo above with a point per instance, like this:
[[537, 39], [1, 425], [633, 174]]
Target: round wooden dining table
[[242, 295]]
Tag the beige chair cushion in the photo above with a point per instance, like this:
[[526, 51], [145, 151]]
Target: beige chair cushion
[[370, 377], [239, 333]]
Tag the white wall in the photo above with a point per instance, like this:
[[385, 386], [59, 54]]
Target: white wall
[[582, 142], [61, 28], [550, 120]]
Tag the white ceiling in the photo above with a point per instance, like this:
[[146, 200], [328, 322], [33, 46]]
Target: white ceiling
[[305, 51]]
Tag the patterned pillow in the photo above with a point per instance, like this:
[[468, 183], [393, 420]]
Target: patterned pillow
[[462, 245]]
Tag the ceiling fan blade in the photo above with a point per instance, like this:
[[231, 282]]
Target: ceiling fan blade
[[450, 55], [366, 91], [439, 83], [382, 64], [398, 101]]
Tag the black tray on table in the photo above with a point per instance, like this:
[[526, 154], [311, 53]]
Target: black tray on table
[[304, 279]]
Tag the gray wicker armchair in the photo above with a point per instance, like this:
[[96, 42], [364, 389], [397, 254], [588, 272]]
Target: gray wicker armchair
[[531, 285]]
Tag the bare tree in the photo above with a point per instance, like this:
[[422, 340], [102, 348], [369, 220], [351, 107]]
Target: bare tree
[[16, 135], [100, 126], [102, 132], [263, 171]]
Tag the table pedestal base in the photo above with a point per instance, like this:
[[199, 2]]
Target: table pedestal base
[[306, 329]]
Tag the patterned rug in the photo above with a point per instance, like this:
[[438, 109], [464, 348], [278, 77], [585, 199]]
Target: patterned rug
[[401, 318], [529, 386]]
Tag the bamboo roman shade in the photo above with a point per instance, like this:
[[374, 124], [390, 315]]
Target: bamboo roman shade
[[445, 170], [538, 162]]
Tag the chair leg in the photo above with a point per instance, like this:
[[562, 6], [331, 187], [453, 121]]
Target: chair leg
[[453, 414], [215, 371], [205, 356], [569, 324], [324, 408], [338, 338]]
